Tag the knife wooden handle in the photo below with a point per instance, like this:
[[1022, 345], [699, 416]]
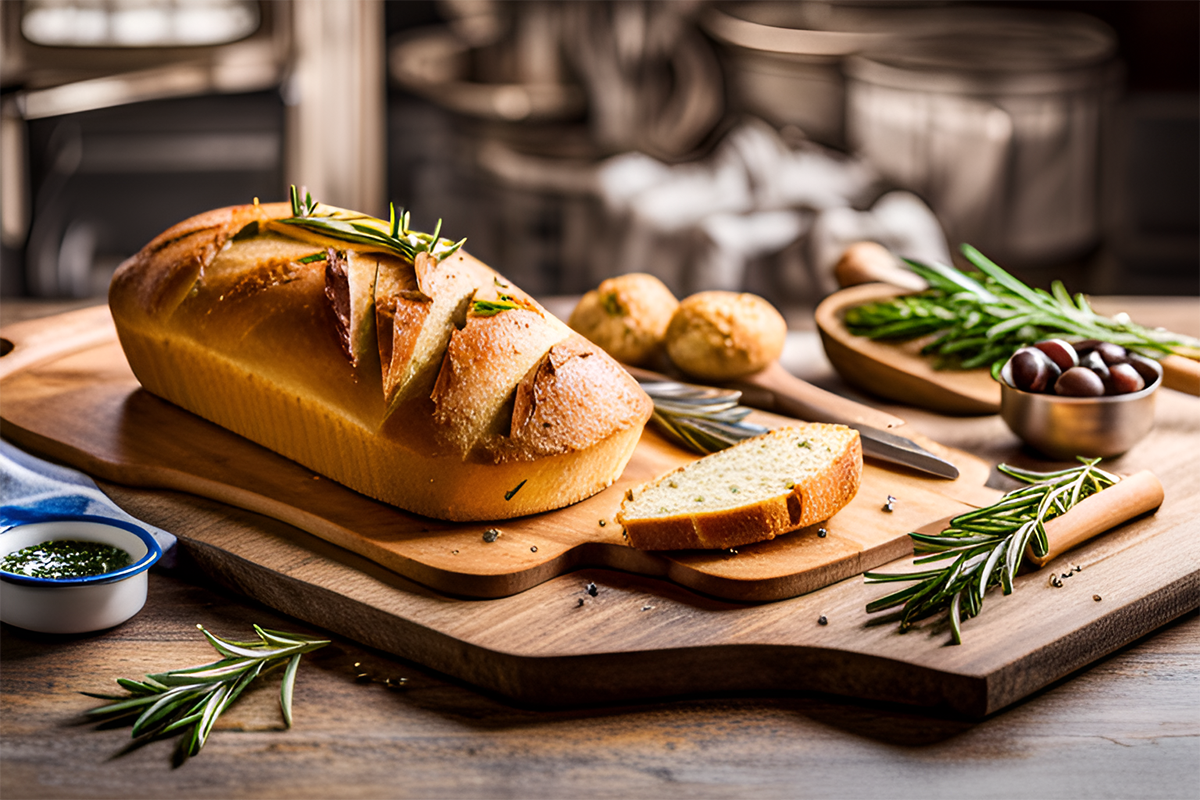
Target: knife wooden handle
[[799, 398], [1181, 374], [1121, 502]]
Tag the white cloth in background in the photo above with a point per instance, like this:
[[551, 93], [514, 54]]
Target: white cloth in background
[[700, 225]]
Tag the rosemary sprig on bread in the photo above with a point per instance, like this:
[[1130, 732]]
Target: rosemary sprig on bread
[[356, 228]]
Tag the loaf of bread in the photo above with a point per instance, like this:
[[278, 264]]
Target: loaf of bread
[[753, 491], [388, 360]]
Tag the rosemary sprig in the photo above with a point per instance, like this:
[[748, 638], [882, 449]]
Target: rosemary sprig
[[982, 317], [987, 546], [192, 698], [699, 418], [504, 302], [393, 236]]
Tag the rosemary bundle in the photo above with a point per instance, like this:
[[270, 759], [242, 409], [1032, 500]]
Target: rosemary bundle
[[191, 699], [981, 318], [699, 418], [987, 546], [351, 226]]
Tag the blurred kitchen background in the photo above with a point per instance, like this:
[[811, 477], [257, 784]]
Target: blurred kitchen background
[[718, 145]]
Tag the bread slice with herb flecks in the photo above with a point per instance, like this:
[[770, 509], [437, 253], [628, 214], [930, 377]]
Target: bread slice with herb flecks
[[756, 490]]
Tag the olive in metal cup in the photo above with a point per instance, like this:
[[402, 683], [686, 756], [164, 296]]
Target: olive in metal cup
[[1064, 427]]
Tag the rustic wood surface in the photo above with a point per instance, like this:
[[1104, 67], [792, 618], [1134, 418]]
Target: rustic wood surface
[[1126, 726], [85, 408]]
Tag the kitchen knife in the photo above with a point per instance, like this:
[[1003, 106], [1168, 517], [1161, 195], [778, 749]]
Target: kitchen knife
[[775, 389]]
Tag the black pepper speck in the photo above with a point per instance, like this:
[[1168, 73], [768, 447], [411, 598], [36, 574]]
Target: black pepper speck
[[491, 535], [822, 620], [822, 533], [592, 590]]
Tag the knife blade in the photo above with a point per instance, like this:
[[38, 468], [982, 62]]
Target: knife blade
[[894, 449], [775, 389]]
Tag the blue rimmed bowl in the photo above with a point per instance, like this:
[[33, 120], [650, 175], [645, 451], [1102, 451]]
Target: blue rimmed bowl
[[76, 605]]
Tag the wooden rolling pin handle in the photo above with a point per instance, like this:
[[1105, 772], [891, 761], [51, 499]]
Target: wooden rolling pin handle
[[871, 262], [1181, 374], [1132, 496]]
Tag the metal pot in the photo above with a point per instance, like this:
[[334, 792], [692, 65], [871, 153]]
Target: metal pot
[[995, 118], [782, 60]]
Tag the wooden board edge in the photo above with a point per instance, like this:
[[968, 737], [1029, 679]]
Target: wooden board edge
[[600, 678], [1090, 643]]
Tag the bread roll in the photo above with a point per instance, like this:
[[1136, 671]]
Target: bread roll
[[424, 381], [719, 336], [754, 491], [627, 316]]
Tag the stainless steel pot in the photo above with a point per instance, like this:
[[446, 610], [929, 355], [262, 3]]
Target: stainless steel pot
[[782, 60], [995, 118]]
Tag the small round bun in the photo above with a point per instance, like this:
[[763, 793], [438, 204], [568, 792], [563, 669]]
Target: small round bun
[[627, 316], [724, 335]]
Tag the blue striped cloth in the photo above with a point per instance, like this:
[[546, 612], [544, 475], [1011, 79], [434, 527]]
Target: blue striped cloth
[[33, 490]]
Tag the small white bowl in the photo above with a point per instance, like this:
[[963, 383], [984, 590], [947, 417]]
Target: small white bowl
[[76, 605]]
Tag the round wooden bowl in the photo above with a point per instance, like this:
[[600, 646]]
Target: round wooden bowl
[[897, 371]]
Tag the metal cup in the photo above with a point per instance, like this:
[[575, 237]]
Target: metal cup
[[1065, 427]]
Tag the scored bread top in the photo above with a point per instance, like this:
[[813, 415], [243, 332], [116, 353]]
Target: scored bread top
[[370, 336], [759, 488]]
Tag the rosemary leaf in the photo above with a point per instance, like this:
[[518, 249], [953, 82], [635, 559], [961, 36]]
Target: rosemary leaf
[[393, 236], [983, 560], [980, 318], [191, 699]]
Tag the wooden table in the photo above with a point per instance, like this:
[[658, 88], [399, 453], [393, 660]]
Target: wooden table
[[1128, 726]]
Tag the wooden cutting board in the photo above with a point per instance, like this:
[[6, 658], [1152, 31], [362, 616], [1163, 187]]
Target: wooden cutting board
[[897, 371], [79, 403], [636, 636]]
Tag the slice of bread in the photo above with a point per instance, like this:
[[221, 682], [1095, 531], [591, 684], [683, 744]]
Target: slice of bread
[[759, 488]]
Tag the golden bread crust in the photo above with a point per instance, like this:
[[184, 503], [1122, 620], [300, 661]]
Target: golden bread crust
[[720, 335], [627, 316], [292, 340]]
